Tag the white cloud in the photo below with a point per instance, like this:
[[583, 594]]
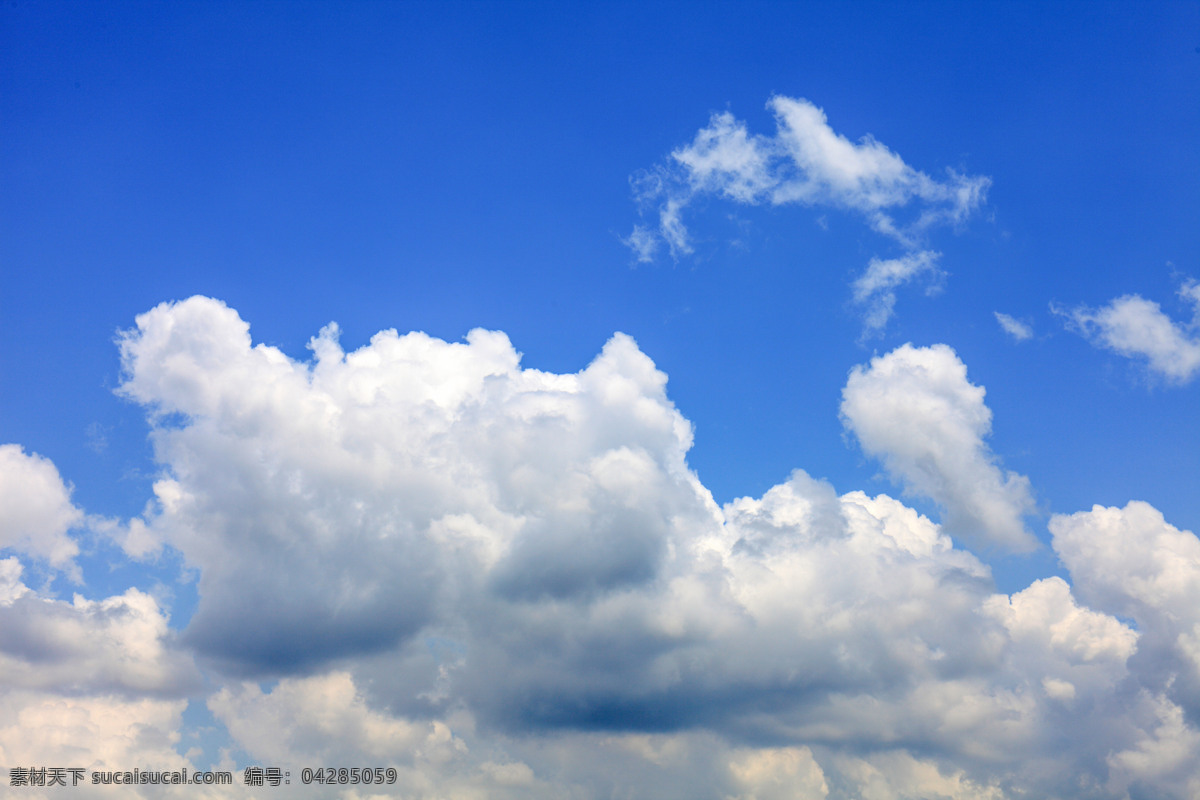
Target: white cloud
[[92, 733], [1131, 561], [778, 773], [347, 475], [323, 718], [876, 288], [577, 574], [1137, 328], [508, 583], [326, 720], [38, 511], [1163, 758], [91, 684], [117, 644], [1078, 652], [915, 410], [809, 163], [643, 242], [1046, 610], [898, 775], [1018, 330], [869, 177], [725, 159], [806, 162]]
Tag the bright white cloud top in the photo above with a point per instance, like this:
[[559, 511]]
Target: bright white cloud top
[[479, 571]]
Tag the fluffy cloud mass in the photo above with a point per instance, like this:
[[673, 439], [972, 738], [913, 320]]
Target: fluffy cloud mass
[[915, 410], [38, 511], [1137, 328], [509, 583], [93, 684]]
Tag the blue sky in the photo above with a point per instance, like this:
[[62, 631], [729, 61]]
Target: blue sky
[[715, 182]]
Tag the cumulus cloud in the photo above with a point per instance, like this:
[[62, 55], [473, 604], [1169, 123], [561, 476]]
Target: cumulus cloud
[[1130, 561], [777, 773], [915, 410], [1137, 328], [364, 479], [324, 718], [93, 733], [1018, 330], [38, 511], [118, 644], [807, 163], [97, 685], [508, 583]]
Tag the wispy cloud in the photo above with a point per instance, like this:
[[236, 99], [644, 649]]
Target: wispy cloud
[[1138, 328], [875, 289], [1014, 327], [807, 163]]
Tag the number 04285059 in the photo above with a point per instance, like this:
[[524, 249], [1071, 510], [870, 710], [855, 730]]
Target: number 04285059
[[351, 775]]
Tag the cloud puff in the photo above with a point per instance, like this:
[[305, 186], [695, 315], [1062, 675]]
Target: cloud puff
[[508, 583], [91, 684], [806, 162], [858, 635], [900, 776], [118, 644], [38, 511], [1137, 328], [93, 733], [327, 719], [1132, 562], [915, 410], [1018, 330]]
